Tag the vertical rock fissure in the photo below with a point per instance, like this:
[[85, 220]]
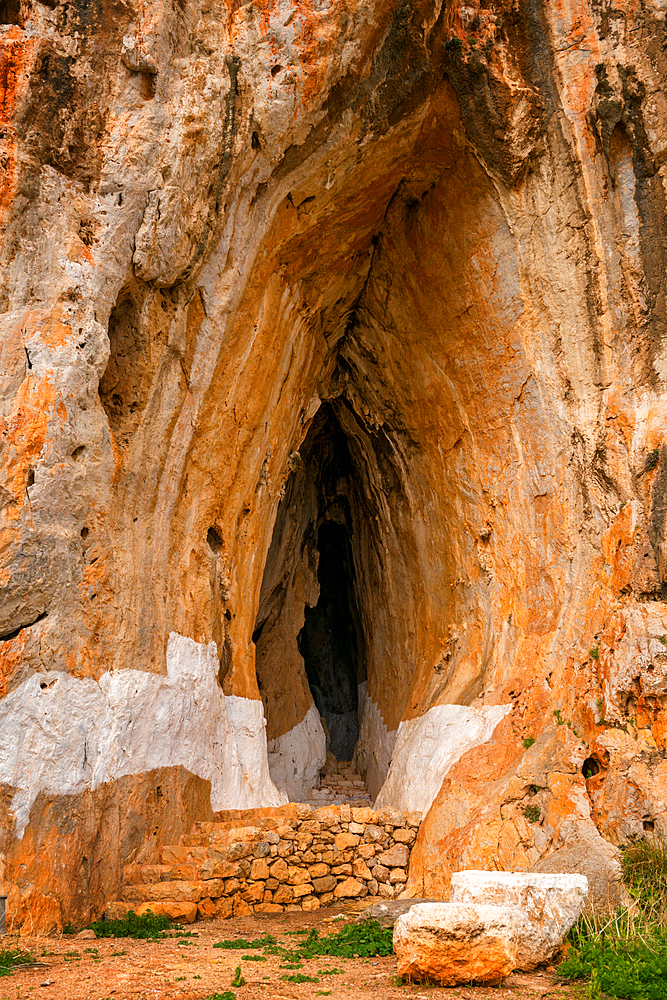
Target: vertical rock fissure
[[308, 633], [329, 641]]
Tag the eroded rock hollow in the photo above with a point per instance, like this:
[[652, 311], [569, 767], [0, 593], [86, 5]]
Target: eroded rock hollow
[[333, 416]]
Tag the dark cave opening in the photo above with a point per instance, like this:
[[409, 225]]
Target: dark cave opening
[[328, 641], [331, 641], [310, 594]]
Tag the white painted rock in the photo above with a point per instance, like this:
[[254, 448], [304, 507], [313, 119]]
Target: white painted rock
[[548, 906], [452, 943]]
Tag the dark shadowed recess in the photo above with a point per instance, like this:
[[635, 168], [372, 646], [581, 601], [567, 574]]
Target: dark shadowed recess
[[318, 503]]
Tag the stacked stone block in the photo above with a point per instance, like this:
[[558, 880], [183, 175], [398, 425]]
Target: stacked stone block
[[275, 860]]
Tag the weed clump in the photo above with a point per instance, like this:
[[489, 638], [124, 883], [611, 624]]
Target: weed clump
[[238, 979], [149, 926], [299, 977], [363, 940], [10, 958], [241, 944], [625, 956]]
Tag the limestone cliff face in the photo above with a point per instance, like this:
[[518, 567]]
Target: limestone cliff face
[[377, 287]]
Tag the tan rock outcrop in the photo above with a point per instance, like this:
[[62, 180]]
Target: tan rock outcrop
[[370, 294]]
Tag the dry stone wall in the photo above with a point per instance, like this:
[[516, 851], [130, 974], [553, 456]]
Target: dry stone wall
[[269, 861]]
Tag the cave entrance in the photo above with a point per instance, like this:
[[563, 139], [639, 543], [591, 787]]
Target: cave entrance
[[309, 636], [329, 641]]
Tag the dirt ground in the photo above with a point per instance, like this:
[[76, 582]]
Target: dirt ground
[[71, 968]]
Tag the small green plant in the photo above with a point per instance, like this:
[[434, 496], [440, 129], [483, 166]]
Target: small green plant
[[600, 705], [595, 652], [362, 940], [453, 44], [663, 639], [253, 958], [68, 928], [238, 979], [298, 977], [241, 944], [559, 717], [227, 995], [532, 813], [534, 789], [652, 460], [10, 958], [330, 972], [528, 742], [323, 993], [149, 926]]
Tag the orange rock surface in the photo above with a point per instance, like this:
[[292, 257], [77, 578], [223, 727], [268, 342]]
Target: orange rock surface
[[396, 269]]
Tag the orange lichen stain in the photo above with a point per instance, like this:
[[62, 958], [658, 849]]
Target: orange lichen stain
[[617, 548], [53, 331], [11, 657], [16, 55], [24, 434]]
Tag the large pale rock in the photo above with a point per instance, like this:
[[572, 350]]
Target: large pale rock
[[599, 863], [452, 943], [546, 907]]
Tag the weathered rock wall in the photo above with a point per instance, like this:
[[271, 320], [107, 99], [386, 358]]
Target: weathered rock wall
[[446, 222]]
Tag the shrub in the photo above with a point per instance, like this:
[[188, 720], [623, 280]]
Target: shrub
[[528, 742]]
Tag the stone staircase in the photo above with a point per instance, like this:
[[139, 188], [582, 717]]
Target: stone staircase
[[273, 860], [340, 783]]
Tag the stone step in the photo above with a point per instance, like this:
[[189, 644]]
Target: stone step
[[293, 857]]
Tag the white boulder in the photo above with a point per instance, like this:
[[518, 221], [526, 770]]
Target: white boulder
[[546, 906]]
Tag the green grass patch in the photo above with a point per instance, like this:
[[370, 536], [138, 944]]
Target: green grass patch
[[528, 742], [299, 977], [330, 972], [12, 958], [627, 969], [227, 995], [253, 958], [625, 956]]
